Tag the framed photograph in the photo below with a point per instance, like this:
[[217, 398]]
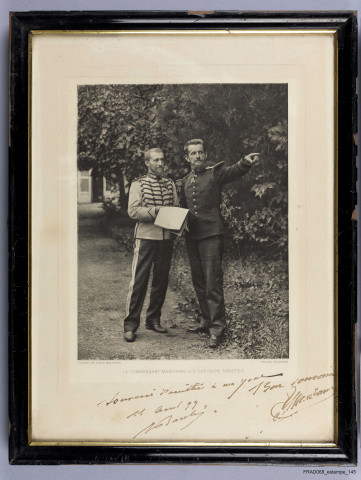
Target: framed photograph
[[183, 239]]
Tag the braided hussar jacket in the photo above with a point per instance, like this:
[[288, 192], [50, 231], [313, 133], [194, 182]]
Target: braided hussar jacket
[[145, 194]]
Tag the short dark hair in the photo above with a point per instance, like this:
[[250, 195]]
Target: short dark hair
[[194, 141], [151, 150]]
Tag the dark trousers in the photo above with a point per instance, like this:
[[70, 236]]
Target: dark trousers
[[148, 254], [205, 258]]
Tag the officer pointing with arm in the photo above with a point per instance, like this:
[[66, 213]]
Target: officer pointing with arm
[[201, 194]]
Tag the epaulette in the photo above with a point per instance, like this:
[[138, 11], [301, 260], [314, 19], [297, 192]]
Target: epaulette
[[217, 165], [187, 175], [138, 178]]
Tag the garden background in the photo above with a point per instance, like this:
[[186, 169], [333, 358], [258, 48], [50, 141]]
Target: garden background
[[117, 123]]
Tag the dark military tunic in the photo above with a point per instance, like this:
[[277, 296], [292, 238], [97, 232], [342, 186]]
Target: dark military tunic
[[201, 194]]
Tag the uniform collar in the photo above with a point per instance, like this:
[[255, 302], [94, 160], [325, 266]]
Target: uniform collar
[[155, 177], [198, 172]]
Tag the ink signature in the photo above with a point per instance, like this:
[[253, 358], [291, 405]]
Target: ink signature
[[297, 400], [182, 407], [172, 419]]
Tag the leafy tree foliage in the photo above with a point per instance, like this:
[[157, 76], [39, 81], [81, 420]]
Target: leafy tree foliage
[[117, 123]]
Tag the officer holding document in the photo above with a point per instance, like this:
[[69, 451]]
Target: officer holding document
[[201, 194], [153, 244]]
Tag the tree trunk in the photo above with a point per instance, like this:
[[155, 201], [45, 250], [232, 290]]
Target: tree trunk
[[123, 197]]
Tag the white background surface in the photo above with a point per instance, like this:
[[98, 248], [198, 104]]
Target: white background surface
[[115, 472], [61, 63]]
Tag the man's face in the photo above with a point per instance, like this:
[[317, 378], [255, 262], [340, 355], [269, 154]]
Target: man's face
[[156, 163], [196, 156]]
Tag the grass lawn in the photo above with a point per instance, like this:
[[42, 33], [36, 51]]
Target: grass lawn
[[256, 297]]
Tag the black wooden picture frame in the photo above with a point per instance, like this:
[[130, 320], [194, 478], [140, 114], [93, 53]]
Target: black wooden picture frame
[[21, 24]]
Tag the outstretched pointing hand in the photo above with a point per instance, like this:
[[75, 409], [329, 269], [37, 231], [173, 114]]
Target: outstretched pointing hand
[[251, 158]]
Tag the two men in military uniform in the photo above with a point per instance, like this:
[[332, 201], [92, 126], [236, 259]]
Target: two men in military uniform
[[201, 194]]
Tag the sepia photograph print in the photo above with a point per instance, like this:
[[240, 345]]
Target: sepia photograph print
[[219, 287]]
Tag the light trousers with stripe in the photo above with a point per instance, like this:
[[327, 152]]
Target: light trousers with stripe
[[148, 254]]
